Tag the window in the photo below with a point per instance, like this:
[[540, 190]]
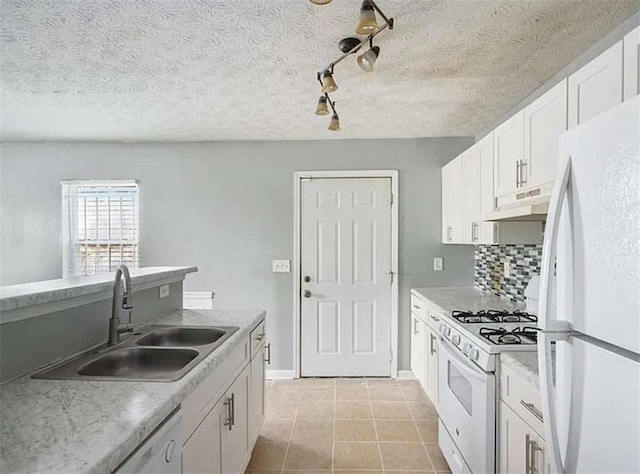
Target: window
[[100, 226]]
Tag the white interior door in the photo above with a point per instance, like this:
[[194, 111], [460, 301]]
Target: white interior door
[[346, 282]]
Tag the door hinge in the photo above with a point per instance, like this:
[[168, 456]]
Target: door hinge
[[391, 201]]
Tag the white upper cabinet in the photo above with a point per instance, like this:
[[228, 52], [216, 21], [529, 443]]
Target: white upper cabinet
[[544, 121], [471, 207], [452, 202], [596, 87], [631, 49], [508, 153], [485, 231]]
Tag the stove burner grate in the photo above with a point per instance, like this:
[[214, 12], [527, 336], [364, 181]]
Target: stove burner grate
[[493, 316], [501, 336]]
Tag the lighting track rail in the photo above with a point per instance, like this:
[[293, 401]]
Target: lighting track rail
[[368, 25]]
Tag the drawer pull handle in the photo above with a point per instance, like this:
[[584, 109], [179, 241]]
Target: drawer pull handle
[[260, 337], [533, 410], [434, 318], [268, 357], [416, 306]]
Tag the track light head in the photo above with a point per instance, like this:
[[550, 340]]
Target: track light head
[[321, 108], [328, 84], [367, 59], [367, 24], [334, 125]]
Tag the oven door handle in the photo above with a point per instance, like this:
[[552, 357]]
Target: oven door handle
[[464, 365]]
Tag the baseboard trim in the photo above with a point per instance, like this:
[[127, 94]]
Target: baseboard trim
[[279, 374], [406, 374]]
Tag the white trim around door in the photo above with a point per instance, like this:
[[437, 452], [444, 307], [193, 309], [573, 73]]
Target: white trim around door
[[297, 298]]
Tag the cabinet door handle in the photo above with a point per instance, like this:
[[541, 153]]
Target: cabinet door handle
[[533, 456], [268, 358], [260, 337], [518, 174], [527, 455], [416, 306], [233, 410], [449, 233], [523, 174], [434, 318], [227, 403], [415, 326], [533, 410], [432, 339]]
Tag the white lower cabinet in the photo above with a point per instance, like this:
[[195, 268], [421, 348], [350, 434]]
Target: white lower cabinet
[[418, 365], [227, 410], [256, 396], [521, 449], [424, 347], [202, 452]]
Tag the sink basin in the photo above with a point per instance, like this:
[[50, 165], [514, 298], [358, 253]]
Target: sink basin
[[182, 336], [156, 353], [139, 363]]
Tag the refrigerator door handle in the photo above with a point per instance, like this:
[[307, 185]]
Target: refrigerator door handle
[[548, 407], [545, 322]]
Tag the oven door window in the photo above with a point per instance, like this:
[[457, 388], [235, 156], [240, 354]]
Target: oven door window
[[460, 387]]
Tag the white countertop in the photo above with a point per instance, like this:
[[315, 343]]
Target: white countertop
[[466, 298], [88, 426], [40, 292], [524, 364]]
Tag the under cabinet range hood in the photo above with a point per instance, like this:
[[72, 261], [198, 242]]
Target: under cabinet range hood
[[524, 206]]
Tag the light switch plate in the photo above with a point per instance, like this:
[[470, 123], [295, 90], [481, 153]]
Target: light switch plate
[[281, 266], [507, 269], [163, 291], [437, 264]]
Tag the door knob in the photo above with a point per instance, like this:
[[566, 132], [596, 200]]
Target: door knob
[[306, 294], [307, 279]]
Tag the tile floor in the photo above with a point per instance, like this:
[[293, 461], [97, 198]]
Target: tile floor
[[347, 426]]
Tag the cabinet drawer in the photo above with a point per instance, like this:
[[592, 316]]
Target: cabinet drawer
[[257, 338], [419, 307], [522, 397]]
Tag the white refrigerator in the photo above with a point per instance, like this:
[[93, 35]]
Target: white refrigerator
[[589, 347]]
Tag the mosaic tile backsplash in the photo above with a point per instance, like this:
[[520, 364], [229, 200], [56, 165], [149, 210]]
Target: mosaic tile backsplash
[[524, 260]]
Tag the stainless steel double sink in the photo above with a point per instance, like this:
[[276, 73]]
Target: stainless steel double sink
[[153, 354]]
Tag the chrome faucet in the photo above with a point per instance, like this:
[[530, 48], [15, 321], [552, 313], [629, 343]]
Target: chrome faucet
[[126, 303]]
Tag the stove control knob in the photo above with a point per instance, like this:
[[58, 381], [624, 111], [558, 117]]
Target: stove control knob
[[474, 354], [456, 339], [465, 348]]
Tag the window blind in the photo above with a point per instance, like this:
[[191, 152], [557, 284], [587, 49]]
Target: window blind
[[100, 228]]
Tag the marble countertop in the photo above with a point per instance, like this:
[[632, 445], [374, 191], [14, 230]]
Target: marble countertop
[[40, 292], [524, 364], [88, 426], [466, 298]]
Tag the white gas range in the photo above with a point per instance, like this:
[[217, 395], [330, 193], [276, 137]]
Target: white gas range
[[467, 396]]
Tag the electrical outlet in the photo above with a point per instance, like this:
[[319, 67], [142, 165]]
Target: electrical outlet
[[281, 266], [437, 264], [507, 269], [163, 291]]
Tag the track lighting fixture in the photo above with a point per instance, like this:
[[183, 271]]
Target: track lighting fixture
[[328, 84], [334, 125], [367, 59], [367, 25], [321, 108]]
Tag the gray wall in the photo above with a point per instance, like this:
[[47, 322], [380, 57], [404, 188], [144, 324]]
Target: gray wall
[[593, 51], [29, 344], [226, 207]]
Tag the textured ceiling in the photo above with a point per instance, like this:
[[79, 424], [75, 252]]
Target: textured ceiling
[[245, 69]]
